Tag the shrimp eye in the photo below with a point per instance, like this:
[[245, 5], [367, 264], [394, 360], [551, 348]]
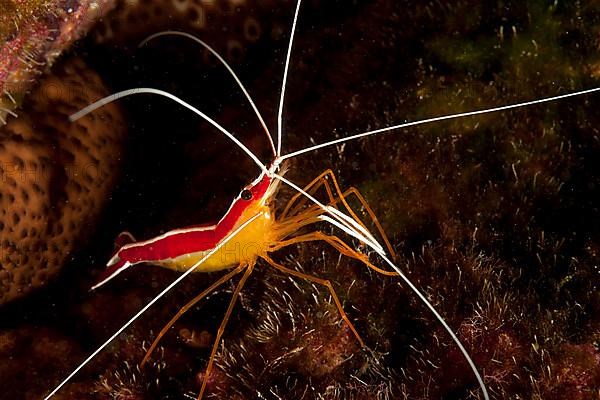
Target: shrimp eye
[[246, 194]]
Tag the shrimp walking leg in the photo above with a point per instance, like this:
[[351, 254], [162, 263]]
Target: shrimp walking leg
[[323, 282], [186, 307], [336, 243], [323, 181], [221, 329]]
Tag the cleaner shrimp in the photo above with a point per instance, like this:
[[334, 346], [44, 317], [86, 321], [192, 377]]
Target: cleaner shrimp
[[250, 216]]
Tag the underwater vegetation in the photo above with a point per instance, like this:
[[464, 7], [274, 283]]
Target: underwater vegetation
[[494, 217]]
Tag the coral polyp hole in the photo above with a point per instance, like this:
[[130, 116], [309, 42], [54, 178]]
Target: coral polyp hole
[[234, 51], [132, 18], [192, 14], [251, 30], [225, 6], [144, 16]]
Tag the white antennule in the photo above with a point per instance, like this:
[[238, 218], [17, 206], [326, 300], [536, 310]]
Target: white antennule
[[119, 95], [440, 118], [284, 81], [147, 306], [226, 65], [357, 227]]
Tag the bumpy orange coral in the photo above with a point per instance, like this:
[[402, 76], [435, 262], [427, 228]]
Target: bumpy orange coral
[[55, 176]]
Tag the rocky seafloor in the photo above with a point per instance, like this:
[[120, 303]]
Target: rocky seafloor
[[494, 217]]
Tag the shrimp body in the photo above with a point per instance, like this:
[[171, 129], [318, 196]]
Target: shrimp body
[[252, 214], [180, 249]]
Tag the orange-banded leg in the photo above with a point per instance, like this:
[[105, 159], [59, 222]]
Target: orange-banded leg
[[335, 242], [309, 216], [221, 329], [298, 200], [186, 307], [354, 191], [321, 181], [320, 281]]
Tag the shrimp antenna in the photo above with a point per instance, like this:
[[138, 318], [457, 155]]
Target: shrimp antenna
[[379, 250], [109, 99], [284, 81], [147, 306], [440, 118], [226, 65], [443, 322]]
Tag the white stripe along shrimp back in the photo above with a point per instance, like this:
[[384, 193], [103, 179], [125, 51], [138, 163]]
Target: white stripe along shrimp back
[[475, 207]]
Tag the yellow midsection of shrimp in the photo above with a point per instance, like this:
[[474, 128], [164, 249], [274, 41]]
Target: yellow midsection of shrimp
[[245, 247]]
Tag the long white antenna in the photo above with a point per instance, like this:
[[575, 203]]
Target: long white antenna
[[226, 65], [109, 99], [283, 84], [436, 119], [147, 306], [443, 322]]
